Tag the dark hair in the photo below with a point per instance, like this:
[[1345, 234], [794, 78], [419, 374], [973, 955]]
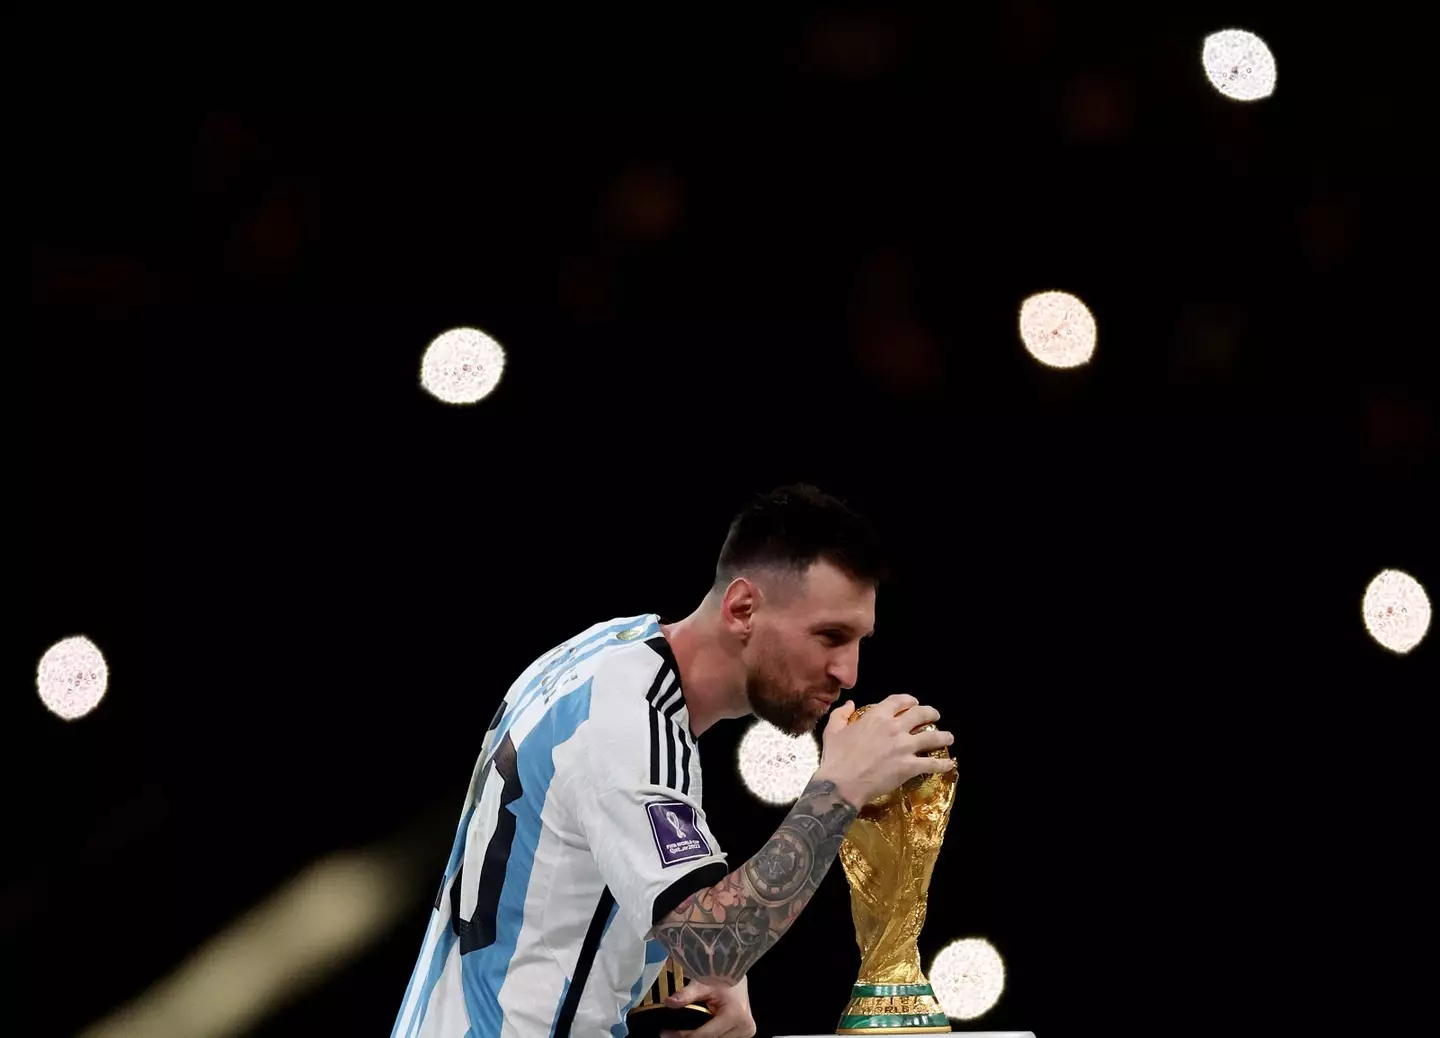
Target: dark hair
[[791, 528]]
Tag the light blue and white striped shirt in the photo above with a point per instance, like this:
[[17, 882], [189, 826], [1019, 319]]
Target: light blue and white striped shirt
[[582, 826]]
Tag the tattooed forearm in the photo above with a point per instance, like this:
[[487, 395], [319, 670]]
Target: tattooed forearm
[[719, 932]]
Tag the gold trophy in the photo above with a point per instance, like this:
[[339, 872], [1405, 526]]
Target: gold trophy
[[651, 1015], [889, 854]]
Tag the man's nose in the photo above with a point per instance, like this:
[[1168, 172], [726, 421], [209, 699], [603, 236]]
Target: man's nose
[[845, 668]]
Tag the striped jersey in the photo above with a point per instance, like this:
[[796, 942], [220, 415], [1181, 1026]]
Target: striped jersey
[[581, 829]]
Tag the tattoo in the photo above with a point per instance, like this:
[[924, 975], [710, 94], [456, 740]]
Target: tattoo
[[718, 933]]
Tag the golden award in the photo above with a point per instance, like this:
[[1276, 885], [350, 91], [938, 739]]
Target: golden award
[[651, 1015], [889, 854]]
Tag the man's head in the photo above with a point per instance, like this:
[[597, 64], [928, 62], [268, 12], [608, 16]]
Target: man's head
[[795, 586]]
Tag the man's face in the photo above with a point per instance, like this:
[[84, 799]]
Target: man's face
[[804, 646]]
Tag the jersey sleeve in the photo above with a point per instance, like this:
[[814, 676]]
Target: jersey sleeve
[[650, 839]]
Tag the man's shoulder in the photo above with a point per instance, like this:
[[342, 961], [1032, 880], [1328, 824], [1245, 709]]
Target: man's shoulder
[[595, 644], [614, 653], [631, 669], [628, 664]]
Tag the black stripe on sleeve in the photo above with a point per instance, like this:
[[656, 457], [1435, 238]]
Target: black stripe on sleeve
[[588, 950], [669, 751], [657, 684], [670, 710], [685, 763], [696, 879], [650, 696], [670, 728], [664, 702]]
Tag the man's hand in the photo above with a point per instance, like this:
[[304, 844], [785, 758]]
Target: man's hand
[[881, 749], [730, 1004]]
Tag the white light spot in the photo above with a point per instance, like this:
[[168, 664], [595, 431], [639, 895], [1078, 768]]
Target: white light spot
[[774, 766], [1057, 329], [1396, 610], [462, 366], [72, 677], [1239, 65], [968, 976]]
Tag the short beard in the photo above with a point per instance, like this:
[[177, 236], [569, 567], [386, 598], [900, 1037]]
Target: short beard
[[791, 717]]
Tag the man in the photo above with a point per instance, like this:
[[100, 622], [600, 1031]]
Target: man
[[583, 858]]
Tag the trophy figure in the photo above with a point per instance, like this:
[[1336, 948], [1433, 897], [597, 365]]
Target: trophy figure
[[888, 855], [651, 1015]]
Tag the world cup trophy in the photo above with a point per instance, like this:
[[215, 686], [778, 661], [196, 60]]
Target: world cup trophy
[[889, 855], [651, 1015]]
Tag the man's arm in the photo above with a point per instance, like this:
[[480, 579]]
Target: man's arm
[[718, 933]]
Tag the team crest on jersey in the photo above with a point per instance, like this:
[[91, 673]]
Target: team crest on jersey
[[632, 634], [677, 837]]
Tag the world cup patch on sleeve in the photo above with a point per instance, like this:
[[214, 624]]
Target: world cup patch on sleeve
[[677, 837]]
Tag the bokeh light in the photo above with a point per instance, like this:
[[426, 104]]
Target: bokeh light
[[281, 949], [1396, 610], [72, 677], [774, 766], [1057, 329], [1239, 65], [968, 977], [462, 366]]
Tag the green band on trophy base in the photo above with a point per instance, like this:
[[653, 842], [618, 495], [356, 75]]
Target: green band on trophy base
[[935, 1023], [890, 990], [913, 1009]]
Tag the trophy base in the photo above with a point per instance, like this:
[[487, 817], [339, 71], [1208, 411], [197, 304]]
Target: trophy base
[[880, 1009], [649, 1021]]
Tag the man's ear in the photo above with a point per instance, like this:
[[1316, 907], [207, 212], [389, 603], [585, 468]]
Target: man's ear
[[737, 607]]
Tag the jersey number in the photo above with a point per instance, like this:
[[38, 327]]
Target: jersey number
[[479, 930]]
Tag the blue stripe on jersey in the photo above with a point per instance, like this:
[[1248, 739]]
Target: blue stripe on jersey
[[533, 690], [483, 970], [432, 977], [394, 1031], [654, 952], [560, 1006]]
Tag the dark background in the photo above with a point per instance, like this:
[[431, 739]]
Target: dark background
[[722, 256]]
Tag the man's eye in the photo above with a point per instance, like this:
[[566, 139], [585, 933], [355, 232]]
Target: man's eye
[[834, 637]]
